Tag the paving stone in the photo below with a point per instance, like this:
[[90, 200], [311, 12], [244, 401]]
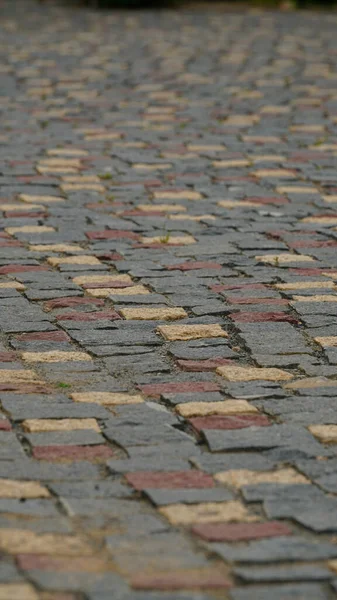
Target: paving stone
[[187, 496], [119, 217], [208, 512], [107, 398], [202, 579], [240, 532], [167, 314], [284, 592], [226, 407], [234, 373], [32, 425], [288, 548], [238, 478], [191, 332], [188, 479]]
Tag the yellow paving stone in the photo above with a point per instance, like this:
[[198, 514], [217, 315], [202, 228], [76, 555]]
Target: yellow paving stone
[[307, 128], [206, 147], [55, 248], [274, 173], [183, 240], [332, 564], [238, 204], [108, 398], [185, 217], [21, 207], [330, 199], [12, 284], [39, 91], [150, 167], [55, 170], [84, 279], [275, 110], [22, 489], [318, 298], [208, 512], [323, 147], [327, 342], [240, 477], [320, 220], [242, 120], [60, 162], [296, 189], [73, 260], [203, 409], [223, 164], [284, 258], [55, 356], [182, 195], [29, 229], [236, 373], [40, 199], [331, 274], [18, 591], [18, 376], [23, 541], [306, 285], [103, 136], [67, 152], [135, 290], [310, 382], [327, 434], [191, 332], [143, 313], [75, 187], [81, 179], [161, 207], [33, 425]]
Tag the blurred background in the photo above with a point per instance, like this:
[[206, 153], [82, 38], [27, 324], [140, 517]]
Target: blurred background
[[283, 4]]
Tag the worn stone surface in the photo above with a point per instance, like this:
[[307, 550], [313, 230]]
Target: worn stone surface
[[168, 273]]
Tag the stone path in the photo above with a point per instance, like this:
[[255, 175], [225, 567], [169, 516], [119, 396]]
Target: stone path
[[168, 259]]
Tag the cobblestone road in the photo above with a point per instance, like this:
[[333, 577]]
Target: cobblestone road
[[168, 300]]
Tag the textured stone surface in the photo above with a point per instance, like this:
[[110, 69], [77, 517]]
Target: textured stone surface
[[142, 313], [107, 398], [233, 373], [240, 532], [227, 407], [208, 512], [191, 332], [241, 477], [168, 272]]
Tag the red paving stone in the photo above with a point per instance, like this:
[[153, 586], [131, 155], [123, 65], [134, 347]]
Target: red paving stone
[[203, 365], [7, 356], [67, 302], [48, 336], [230, 422], [22, 269], [111, 315], [72, 452], [211, 580], [240, 532], [175, 480]]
